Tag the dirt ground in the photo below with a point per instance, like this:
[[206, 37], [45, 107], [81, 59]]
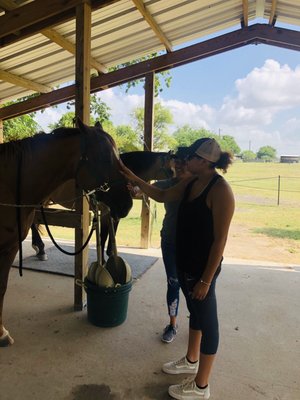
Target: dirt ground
[[243, 244]]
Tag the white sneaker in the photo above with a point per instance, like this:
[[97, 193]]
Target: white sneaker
[[188, 390], [181, 366]]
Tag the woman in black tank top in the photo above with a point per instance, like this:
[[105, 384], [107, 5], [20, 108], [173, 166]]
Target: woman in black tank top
[[204, 216]]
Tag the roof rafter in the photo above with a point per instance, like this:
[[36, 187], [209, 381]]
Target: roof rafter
[[38, 15], [154, 26], [255, 34], [245, 13], [26, 83], [272, 18], [54, 36]]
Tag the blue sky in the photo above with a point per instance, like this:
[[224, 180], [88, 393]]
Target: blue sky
[[251, 93]]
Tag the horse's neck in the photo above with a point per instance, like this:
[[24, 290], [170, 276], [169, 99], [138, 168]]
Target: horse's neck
[[155, 169], [49, 166]]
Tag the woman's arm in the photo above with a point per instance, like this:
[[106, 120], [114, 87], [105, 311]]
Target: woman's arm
[[222, 206], [160, 195]]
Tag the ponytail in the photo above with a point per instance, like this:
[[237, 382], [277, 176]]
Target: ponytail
[[224, 161]]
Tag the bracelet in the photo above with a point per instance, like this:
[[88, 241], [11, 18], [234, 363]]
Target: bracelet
[[204, 283]]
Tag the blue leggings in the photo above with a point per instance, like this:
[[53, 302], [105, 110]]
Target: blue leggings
[[203, 313], [173, 287]]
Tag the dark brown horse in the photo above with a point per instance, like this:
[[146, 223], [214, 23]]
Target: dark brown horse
[[31, 169], [148, 165]]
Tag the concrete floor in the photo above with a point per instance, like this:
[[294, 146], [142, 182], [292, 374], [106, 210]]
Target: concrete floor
[[59, 355]]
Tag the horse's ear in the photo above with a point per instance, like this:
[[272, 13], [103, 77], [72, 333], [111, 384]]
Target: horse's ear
[[81, 125], [99, 125]]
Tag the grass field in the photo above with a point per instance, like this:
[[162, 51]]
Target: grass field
[[255, 187]]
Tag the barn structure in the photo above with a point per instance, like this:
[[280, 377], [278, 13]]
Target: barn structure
[[289, 159], [86, 46]]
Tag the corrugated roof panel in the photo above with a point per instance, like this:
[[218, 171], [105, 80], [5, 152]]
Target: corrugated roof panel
[[185, 21], [12, 92], [114, 10], [121, 34], [37, 56], [288, 11], [110, 58], [127, 40], [22, 46]]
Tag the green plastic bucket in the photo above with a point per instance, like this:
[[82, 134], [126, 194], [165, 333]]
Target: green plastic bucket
[[107, 307]]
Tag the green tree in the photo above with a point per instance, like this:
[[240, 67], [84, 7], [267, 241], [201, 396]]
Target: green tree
[[228, 143], [99, 112], [266, 153], [186, 135], [20, 127], [99, 109], [129, 139], [162, 118], [160, 78], [248, 155]]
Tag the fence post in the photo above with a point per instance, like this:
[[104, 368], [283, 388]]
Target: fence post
[[278, 190]]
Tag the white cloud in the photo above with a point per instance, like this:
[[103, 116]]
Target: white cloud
[[121, 105], [271, 86], [262, 111], [191, 114], [49, 116]]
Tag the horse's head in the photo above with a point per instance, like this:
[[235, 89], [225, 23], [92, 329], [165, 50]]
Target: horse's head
[[149, 165], [100, 169]]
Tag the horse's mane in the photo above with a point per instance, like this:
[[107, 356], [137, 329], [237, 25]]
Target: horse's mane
[[140, 161], [14, 147]]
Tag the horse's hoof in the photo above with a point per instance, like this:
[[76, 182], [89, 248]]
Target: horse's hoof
[[42, 257], [40, 254], [6, 340]]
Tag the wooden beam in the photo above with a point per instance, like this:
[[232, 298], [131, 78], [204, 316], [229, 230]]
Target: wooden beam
[[59, 217], [38, 15], [149, 111], [272, 17], [148, 146], [255, 34], [245, 13], [1, 131], [32, 13], [22, 82], [154, 26], [82, 110]]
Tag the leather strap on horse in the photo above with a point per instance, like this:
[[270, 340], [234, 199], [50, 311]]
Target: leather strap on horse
[[18, 211]]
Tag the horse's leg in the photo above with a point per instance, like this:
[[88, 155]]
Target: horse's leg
[[109, 250], [37, 243], [6, 259]]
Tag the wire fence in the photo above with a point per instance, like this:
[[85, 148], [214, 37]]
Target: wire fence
[[279, 189]]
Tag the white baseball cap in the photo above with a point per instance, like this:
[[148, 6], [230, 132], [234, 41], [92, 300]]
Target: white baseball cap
[[206, 148]]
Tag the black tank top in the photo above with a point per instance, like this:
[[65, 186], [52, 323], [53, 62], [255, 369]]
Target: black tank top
[[194, 236]]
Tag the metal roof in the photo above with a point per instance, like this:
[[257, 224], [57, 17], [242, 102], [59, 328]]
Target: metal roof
[[122, 31]]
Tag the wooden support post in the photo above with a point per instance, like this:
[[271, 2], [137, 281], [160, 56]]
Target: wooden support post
[[148, 145], [82, 110], [1, 131]]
